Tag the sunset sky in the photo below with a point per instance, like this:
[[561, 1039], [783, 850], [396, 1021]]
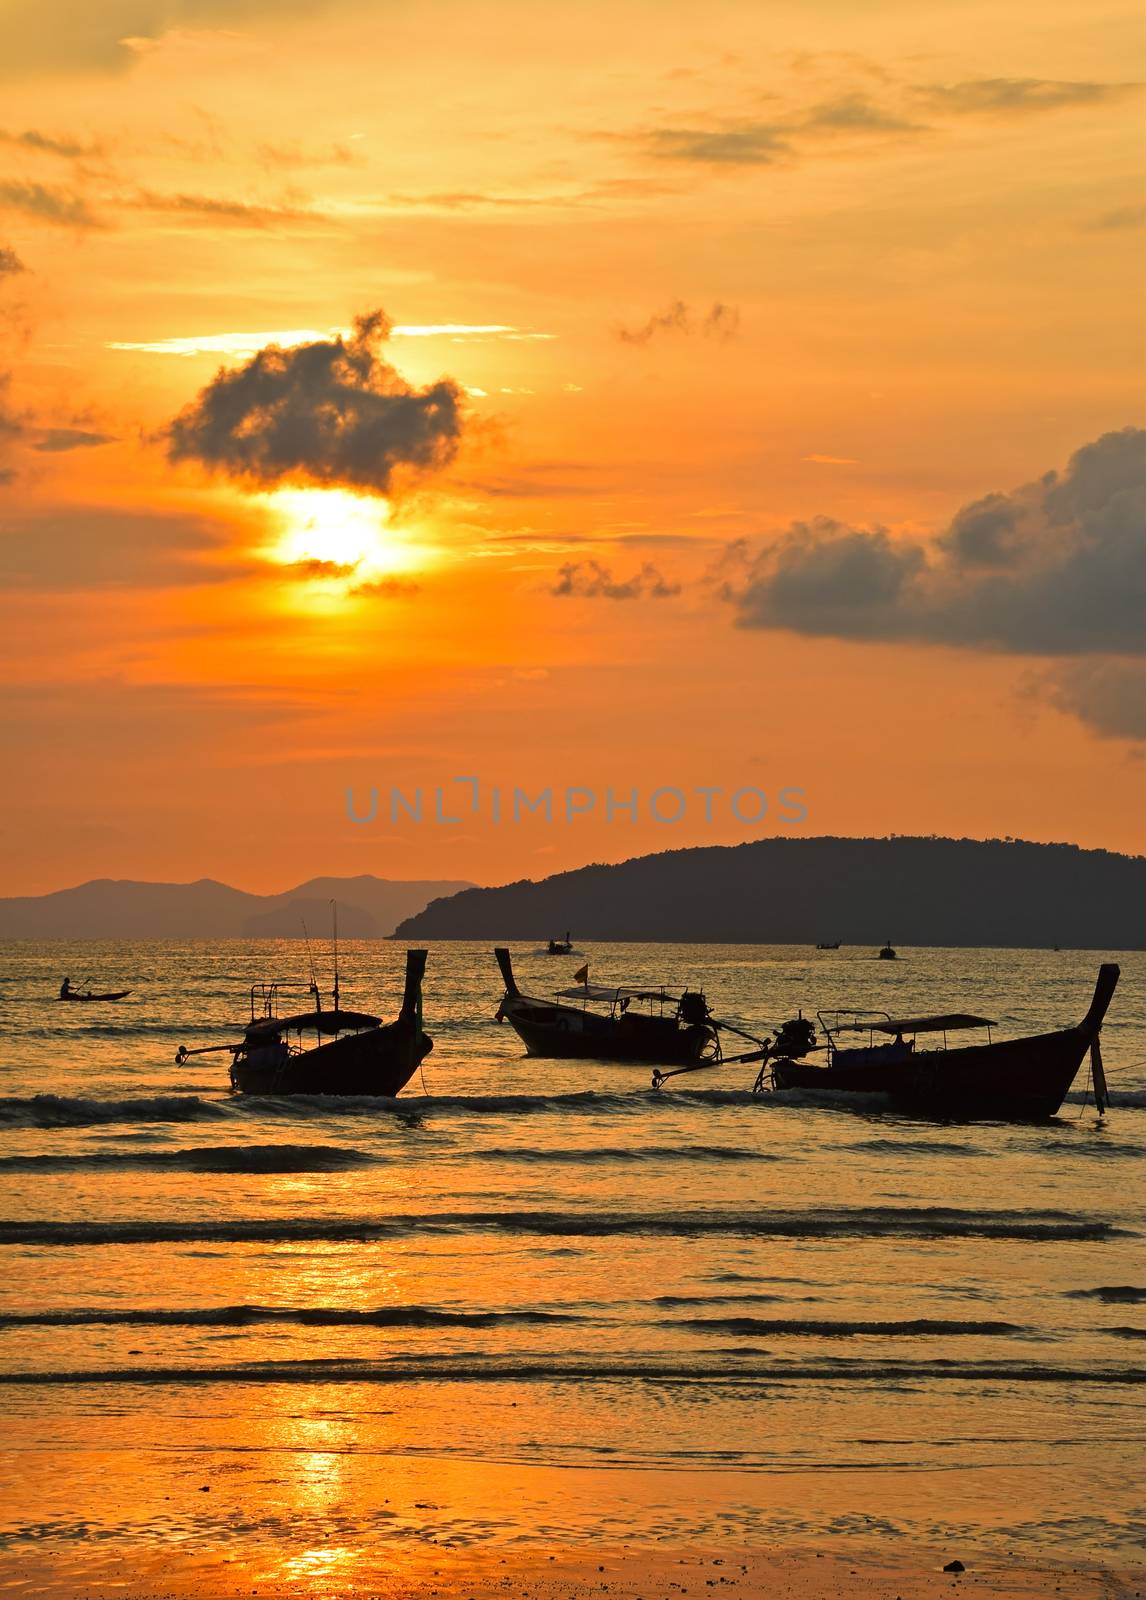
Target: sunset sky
[[636, 395]]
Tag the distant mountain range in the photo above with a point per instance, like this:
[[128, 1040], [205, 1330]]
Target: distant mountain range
[[113, 908], [921, 891]]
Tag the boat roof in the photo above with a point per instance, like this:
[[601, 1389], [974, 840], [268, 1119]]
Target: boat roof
[[599, 991], [944, 1024], [314, 1022]]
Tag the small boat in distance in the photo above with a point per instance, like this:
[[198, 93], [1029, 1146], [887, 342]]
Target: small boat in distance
[[87, 996], [653, 1026], [1008, 1080], [560, 947], [888, 952], [353, 1053], [826, 946]]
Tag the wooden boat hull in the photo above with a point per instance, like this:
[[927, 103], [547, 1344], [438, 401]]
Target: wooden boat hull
[[89, 999], [567, 1033], [1016, 1080], [377, 1061]]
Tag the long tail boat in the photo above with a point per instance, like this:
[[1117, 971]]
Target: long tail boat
[[646, 1025], [352, 1053], [1012, 1080]]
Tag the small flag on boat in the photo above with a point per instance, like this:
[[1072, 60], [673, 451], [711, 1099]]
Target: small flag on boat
[[583, 975]]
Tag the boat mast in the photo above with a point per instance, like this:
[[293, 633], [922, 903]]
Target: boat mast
[[334, 913]]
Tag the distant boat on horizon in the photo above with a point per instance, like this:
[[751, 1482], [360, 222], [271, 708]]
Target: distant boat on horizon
[[560, 947], [828, 946], [888, 953]]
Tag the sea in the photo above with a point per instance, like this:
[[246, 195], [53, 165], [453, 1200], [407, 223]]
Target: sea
[[536, 1301]]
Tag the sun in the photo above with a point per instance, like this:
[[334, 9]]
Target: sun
[[341, 535]]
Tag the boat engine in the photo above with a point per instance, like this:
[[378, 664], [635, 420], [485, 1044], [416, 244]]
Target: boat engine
[[693, 1009], [794, 1038]]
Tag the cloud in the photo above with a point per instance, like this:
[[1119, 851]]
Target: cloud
[[738, 144], [1109, 696], [1057, 567], [108, 35], [53, 440], [79, 547], [1121, 219], [589, 580], [855, 113], [386, 589], [47, 143], [719, 322], [1019, 96], [249, 344], [213, 208], [10, 262], [849, 116], [329, 412], [48, 204]]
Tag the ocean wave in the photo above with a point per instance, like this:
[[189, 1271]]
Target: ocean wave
[[885, 1373], [259, 1158], [247, 1316], [831, 1328], [912, 1147], [62, 1111], [1120, 1099], [843, 1223], [606, 1155], [1112, 1294]]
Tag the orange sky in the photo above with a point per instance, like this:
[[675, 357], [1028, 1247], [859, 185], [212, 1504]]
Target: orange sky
[[804, 281]]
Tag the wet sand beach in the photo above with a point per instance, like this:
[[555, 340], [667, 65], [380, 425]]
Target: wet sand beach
[[862, 1573]]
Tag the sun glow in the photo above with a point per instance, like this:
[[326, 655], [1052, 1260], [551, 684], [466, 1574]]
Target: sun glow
[[338, 535]]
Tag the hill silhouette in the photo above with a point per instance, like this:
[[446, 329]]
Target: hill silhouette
[[799, 891], [113, 908]]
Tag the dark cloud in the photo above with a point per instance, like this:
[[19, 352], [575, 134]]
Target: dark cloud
[[1109, 696], [47, 143], [1121, 219], [332, 412], [49, 204], [10, 262], [856, 113], [214, 208], [315, 568], [1019, 96], [69, 548], [54, 440], [823, 578], [738, 144], [589, 580], [386, 589], [1055, 568], [107, 35], [719, 322], [11, 427], [718, 141]]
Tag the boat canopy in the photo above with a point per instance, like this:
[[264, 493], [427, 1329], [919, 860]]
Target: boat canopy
[[947, 1024], [314, 1022], [598, 991]]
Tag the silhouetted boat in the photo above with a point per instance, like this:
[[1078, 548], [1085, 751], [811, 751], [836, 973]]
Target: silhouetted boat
[[560, 947], [827, 946], [87, 997], [354, 1053], [888, 953], [1008, 1080], [636, 1024]]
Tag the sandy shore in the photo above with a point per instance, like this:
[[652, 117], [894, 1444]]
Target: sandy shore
[[630, 1573]]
